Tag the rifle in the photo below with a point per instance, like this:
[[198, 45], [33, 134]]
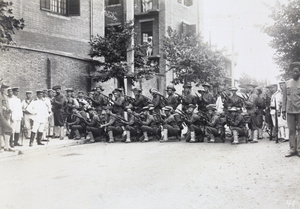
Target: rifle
[[129, 99], [276, 122], [119, 118]]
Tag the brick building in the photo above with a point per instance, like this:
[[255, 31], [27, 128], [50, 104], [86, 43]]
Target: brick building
[[53, 47], [152, 19]]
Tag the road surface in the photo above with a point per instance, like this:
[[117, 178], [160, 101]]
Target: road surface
[[152, 176]]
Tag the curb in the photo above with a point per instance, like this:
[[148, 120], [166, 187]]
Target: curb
[[56, 144]]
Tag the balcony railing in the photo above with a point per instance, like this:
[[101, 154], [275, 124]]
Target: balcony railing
[[146, 6]]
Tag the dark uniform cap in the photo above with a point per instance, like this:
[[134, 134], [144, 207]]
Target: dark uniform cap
[[28, 92], [282, 82], [56, 87], [171, 87], [39, 92], [15, 88], [89, 109], [258, 89], [137, 89], [211, 107], [70, 89], [80, 92], [3, 86], [294, 64], [187, 85]]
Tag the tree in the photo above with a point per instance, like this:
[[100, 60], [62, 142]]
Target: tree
[[285, 33], [246, 79], [192, 60], [8, 23], [113, 48]]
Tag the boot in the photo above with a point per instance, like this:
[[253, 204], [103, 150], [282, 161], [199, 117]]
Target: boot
[[193, 140], [146, 139], [255, 136], [39, 138], [16, 142], [235, 137], [250, 136], [61, 133], [111, 137], [7, 143], [165, 135], [212, 138], [260, 133], [11, 141], [287, 134], [92, 140], [31, 139], [77, 135], [127, 137]]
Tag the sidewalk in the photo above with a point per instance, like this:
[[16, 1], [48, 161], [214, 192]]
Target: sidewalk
[[52, 144]]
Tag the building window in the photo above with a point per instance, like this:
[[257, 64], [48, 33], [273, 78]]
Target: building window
[[62, 7], [147, 36], [147, 5], [187, 29], [186, 2], [113, 2]]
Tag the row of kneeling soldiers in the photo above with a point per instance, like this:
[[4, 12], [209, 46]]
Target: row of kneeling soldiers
[[165, 125]]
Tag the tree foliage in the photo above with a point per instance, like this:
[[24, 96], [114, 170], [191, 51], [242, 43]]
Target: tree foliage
[[113, 48], [8, 23], [192, 60], [246, 79], [285, 33]]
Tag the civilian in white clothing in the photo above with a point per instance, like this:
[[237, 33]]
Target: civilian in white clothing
[[40, 113]]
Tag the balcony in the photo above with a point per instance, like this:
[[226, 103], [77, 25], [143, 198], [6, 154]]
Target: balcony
[[146, 7]]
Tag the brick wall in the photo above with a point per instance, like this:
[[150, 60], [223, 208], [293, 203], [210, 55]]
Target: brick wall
[[63, 40], [30, 72]]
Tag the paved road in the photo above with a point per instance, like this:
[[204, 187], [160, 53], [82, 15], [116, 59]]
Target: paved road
[[153, 175]]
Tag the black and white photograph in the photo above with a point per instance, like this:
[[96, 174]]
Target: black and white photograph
[[149, 104]]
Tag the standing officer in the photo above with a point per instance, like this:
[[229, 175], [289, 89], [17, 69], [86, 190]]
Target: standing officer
[[40, 113], [291, 108], [58, 103], [27, 117], [99, 100], [16, 116]]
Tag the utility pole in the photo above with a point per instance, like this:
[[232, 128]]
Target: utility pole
[[130, 51]]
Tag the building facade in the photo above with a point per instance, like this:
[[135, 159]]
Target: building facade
[[152, 19], [53, 48]]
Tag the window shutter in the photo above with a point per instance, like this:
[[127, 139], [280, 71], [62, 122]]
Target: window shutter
[[192, 29], [45, 4], [188, 3], [74, 7]]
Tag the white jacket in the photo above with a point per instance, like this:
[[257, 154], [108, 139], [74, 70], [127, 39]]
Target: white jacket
[[16, 108], [39, 109]]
